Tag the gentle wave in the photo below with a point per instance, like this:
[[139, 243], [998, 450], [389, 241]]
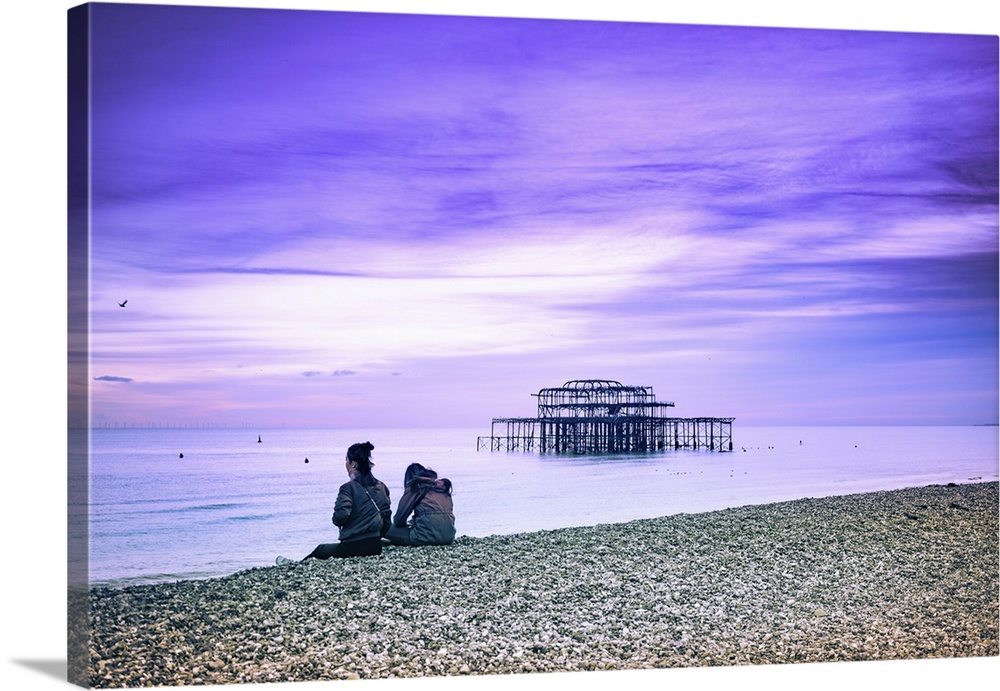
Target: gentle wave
[[156, 520], [254, 517]]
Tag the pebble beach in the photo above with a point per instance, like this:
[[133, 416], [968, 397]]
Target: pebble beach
[[902, 574]]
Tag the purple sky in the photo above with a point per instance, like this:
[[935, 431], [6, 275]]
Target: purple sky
[[344, 219]]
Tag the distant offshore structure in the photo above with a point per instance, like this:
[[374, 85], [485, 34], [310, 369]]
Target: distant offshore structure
[[593, 416]]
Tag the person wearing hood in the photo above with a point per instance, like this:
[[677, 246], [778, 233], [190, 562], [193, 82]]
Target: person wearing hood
[[425, 514]]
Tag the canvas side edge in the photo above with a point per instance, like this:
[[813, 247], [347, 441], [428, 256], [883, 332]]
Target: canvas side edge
[[78, 338]]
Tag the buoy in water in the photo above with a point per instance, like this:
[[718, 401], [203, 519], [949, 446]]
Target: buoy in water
[[258, 439], [307, 460], [182, 455]]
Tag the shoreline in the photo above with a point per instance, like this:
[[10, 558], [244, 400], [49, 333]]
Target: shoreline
[[901, 574]]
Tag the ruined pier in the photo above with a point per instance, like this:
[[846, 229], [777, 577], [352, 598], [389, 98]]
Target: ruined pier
[[593, 416]]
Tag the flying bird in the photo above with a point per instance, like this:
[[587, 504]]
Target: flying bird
[[122, 304]]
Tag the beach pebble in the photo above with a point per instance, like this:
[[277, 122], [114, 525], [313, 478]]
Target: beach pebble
[[811, 580]]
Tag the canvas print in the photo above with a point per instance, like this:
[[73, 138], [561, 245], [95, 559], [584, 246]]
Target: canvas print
[[410, 345]]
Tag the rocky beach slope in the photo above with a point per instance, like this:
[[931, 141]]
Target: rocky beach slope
[[888, 575]]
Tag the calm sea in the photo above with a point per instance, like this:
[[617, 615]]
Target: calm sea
[[232, 503]]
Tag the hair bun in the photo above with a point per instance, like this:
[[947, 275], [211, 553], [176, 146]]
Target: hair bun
[[369, 446]]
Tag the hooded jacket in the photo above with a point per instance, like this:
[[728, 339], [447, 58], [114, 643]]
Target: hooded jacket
[[433, 518], [362, 512]]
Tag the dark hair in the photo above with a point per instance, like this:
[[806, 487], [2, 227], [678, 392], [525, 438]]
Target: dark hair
[[361, 455], [415, 472]]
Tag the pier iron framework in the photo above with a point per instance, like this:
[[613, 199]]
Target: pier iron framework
[[589, 416]]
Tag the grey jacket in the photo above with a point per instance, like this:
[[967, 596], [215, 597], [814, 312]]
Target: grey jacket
[[433, 515], [362, 512]]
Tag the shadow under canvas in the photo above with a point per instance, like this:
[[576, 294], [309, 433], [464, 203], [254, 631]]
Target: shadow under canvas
[[50, 668]]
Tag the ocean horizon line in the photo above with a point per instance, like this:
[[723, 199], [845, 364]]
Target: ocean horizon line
[[159, 425]]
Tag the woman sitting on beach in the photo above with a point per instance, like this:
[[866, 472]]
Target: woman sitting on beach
[[362, 510], [425, 515]]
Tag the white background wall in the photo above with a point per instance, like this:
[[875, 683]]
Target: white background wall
[[32, 569]]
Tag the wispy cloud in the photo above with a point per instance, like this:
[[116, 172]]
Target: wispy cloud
[[509, 200]]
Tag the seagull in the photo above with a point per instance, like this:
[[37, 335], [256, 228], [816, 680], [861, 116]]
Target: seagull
[[122, 304]]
